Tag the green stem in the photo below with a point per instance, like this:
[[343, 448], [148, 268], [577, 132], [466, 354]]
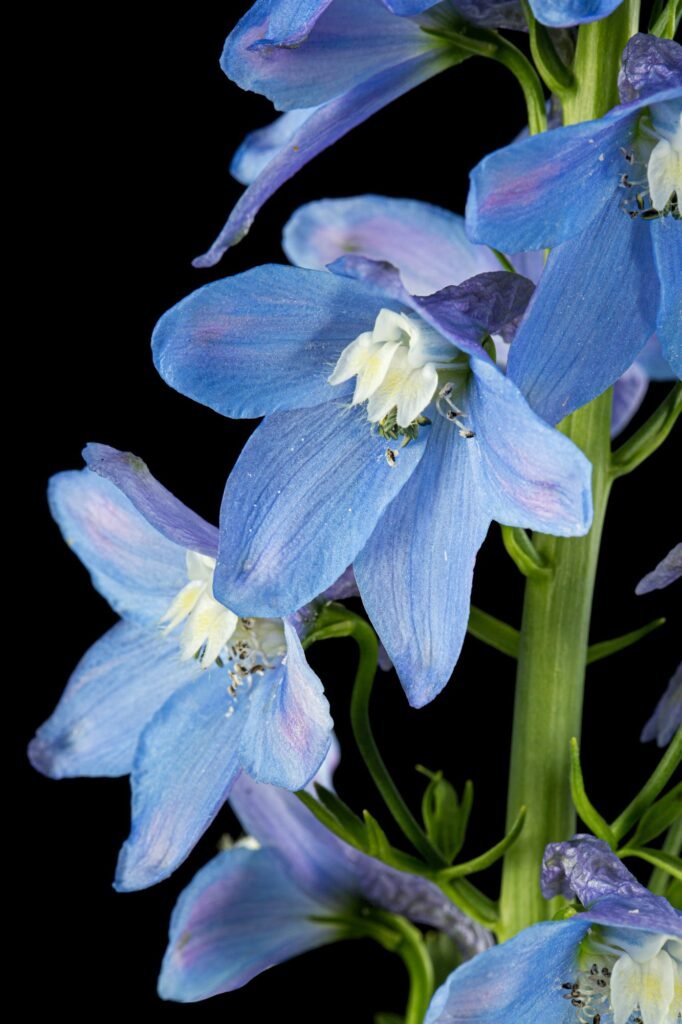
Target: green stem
[[556, 76], [597, 62], [550, 680], [526, 76], [414, 955], [658, 883]]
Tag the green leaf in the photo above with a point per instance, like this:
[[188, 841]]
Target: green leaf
[[440, 812], [674, 894], [524, 554], [342, 812], [377, 840], [664, 770], [665, 19], [589, 814], [493, 632], [659, 859], [326, 818], [604, 649], [485, 860], [388, 1018], [659, 817]]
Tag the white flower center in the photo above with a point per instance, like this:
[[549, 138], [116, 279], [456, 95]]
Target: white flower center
[[398, 366], [654, 177], [627, 977], [213, 634]]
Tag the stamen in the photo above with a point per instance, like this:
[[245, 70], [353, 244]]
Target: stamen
[[453, 414]]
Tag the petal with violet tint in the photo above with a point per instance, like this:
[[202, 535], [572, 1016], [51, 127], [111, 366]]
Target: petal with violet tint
[[241, 914], [545, 189], [137, 569], [667, 243], [667, 716], [415, 572], [592, 313], [650, 65], [262, 341], [299, 504], [564, 13], [344, 45], [518, 982], [288, 728], [628, 395], [652, 362], [426, 243], [261, 145], [527, 473], [666, 572], [325, 125], [117, 686], [185, 765], [152, 500]]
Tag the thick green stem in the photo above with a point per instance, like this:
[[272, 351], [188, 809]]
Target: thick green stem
[[597, 63], [549, 694]]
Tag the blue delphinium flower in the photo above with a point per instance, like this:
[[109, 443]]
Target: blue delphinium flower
[[606, 193], [617, 962], [399, 471], [182, 693], [430, 248], [331, 64], [286, 889]]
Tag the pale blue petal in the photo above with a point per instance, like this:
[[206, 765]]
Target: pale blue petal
[[427, 244], [493, 13], [563, 13], [650, 65], [666, 572], [628, 395], [325, 125], [592, 313], [518, 982], [261, 145], [301, 501], [241, 914], [186, 763], [262, 341], [118, 685], [409, 7], [526, 196], [320, 57], [667, 716], [667, 244], [288, 728], [652, 362], [137, 569], [160, 508], [528, 474], [416, 570], [586, 868]]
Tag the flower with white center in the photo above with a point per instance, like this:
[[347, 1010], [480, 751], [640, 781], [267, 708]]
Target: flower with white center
[[182, 693], [616, 962], [664, 169]]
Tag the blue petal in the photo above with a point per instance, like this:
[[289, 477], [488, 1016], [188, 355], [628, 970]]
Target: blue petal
[[493, 13], [563, 13], [416, 570], [301, 501], [260, 146], [131, 564], [325, 125], [518, 982], [241, 914], [586, 868], [327, 868], [652, 362], [186, 763], [667, 243], [546, 189], [667, 716], [125, 677], [650, 65], [427, 244], [262, 341], [335, 49], [408, 7], [160, 508], [528, 473], [287, 730], [666, 572], [592, 313], [628, 395]]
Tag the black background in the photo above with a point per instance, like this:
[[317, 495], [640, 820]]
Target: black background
[[129, 139]]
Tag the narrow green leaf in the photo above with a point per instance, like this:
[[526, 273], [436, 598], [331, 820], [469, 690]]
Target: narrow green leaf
[[465, 806], [327, 819], [493, 632], [470, 899], [674, 894], [650, 435], [589, 814], [659, 817], [440, 811], [377, 840], [485, 860], [659, 859], [524, 554], [604, 649], [665, 769], [342, 812], [665, 19]]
